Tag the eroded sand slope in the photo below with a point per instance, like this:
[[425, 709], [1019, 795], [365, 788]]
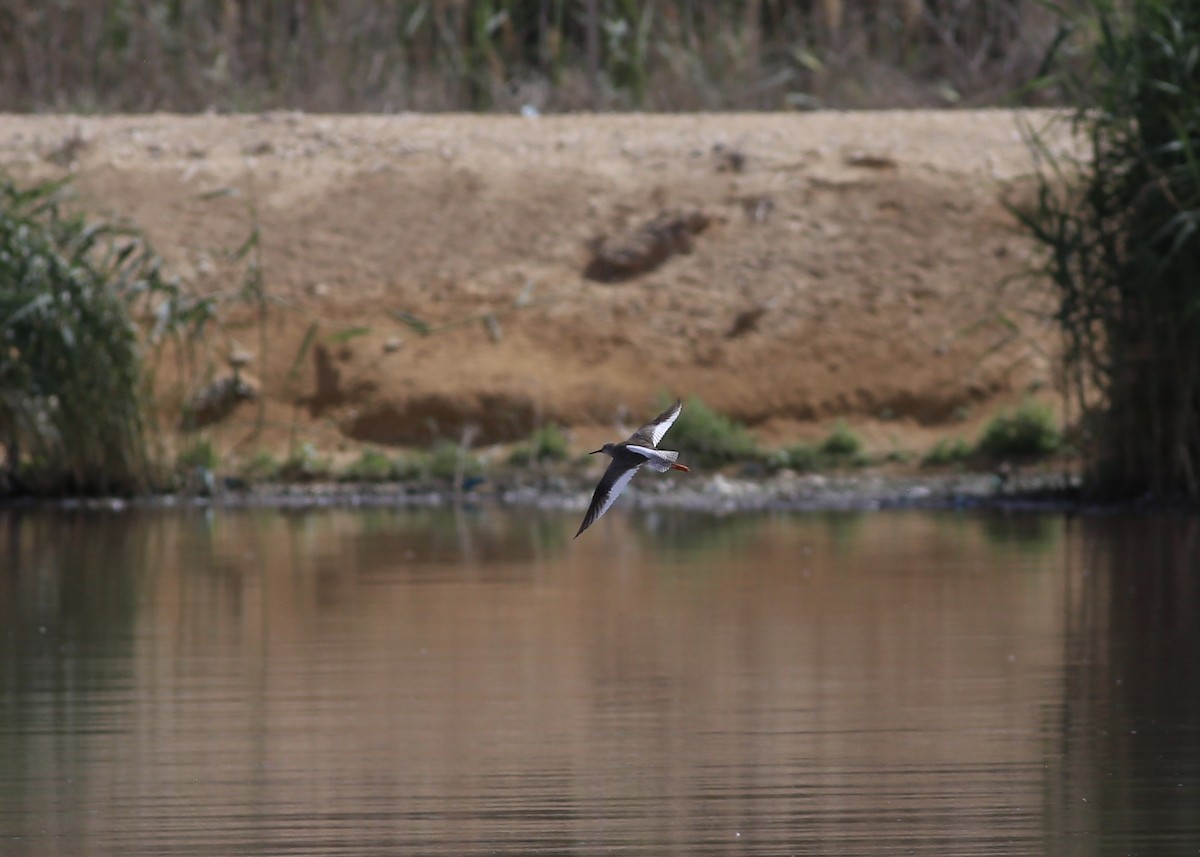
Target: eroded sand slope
[[820, 265]]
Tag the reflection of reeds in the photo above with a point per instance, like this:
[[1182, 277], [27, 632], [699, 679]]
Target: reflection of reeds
[[481, 54]]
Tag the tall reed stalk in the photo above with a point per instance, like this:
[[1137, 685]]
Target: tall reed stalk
[[1119, 226]]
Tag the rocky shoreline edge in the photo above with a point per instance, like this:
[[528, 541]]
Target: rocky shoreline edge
[[716, 494]]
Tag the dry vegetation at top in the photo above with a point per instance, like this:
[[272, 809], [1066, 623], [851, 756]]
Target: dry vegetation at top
[[553, 55]]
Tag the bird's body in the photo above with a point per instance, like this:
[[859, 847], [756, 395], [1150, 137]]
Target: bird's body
[[628, 457]]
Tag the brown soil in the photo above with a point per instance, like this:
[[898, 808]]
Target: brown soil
[[794, 268]]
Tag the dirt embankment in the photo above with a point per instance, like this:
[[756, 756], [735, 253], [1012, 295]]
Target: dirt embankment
[[431, 272]]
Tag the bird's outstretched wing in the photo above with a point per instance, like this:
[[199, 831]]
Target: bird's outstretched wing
[[652, 432], [612, 483]]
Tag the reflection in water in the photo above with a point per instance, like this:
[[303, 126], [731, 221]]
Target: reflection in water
[[473, 682], [1022, 533], [1130, 724]]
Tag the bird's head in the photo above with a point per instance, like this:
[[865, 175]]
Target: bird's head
[[606, 449]]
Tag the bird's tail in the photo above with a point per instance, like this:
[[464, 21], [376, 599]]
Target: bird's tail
[[662, 460]]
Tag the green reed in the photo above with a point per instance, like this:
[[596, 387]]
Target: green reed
[[363, 55], [73, 396], [1119, 229]]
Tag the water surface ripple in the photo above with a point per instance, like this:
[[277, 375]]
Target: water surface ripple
[[440, 682]]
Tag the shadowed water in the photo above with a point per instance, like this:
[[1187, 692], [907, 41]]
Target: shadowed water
[[433, 682]]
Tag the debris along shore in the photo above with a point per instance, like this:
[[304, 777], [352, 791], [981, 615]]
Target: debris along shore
[[716, 494]]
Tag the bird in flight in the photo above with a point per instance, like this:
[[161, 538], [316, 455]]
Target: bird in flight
[[628, 456]]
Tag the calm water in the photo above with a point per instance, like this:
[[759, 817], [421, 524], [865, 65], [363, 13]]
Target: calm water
[[419, 682]]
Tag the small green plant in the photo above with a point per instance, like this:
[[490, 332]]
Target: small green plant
[[1030, 431], [858, 459], [410, 466], [445, 460], [305, 464], [546, 444], [841, 442], [262, 466], [709, 438], [371, 466], [946, 452], [202, 454], [803, 458]]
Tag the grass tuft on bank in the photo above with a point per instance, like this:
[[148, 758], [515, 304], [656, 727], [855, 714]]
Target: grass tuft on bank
[[709, 438], [1028, 431]]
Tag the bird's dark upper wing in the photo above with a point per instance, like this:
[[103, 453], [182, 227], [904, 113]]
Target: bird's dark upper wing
[[612, 483], [652, 432]]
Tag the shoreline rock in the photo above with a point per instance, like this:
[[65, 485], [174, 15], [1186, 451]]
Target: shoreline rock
[[717, 494]]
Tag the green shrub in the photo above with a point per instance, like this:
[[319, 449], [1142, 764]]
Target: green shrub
[[305, 464], [371, 466], [200, 454], [858, 459], [1030, 431], [803, 458], [948, 451], [709, 438], [546, 444], [262, 466], [443, 462], [841, 442], [410, 467]]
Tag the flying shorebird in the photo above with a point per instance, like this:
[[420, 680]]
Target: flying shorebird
[[628, 457]]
